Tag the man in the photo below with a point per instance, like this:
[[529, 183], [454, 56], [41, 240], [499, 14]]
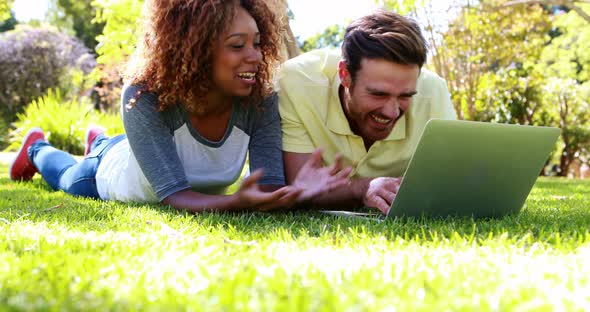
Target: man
[[367, 106]]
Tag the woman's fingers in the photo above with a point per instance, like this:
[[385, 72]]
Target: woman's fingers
[[287, 200], [251, 180]]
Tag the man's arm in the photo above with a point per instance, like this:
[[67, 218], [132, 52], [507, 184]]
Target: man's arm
[[372, 192]]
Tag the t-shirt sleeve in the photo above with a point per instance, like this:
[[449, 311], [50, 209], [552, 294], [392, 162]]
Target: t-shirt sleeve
[[152, 143], [296, 138], [265, 143]]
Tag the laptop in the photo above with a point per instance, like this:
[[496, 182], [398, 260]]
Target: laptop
[[468, 168]]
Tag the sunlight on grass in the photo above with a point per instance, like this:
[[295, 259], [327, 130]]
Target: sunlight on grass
[[66, 253]]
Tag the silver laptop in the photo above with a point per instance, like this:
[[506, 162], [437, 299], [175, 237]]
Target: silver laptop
[[467, 168]]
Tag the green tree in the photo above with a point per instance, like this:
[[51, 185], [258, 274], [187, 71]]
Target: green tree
[[567, 55], [578, 6], [122, 24], [511, 95], [8, 24], [569, 102], [5, 6], [122, 21], [77, 16], [403, 7], [567, 92], [331, 37], [485, 39]]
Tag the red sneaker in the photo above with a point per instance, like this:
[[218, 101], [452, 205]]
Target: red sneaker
[[21, 168], [91, 133]]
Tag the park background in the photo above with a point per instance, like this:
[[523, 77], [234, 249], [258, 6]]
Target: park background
[[524, 62]]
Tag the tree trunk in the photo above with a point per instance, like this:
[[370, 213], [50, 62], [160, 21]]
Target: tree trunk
[[566, 153], [564, 163], [290, 47]]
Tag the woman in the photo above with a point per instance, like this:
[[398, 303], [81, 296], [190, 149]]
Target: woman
[[199, 101]]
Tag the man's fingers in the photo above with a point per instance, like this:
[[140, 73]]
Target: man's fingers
[[337, 165], [340, 178], [393, 184], [387, 196], [316, 158], [344, 173], [380, 204]]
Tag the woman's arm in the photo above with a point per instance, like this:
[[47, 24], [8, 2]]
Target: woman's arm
[[250, 196]]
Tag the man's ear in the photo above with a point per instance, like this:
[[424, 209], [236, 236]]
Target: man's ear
[[344, 74]]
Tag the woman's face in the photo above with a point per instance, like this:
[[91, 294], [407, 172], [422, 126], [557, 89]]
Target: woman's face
[[237, 56]]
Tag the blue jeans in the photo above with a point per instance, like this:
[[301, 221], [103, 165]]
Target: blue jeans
[[63, 172]]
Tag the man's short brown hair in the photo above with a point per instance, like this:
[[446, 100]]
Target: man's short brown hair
[[383, 35]]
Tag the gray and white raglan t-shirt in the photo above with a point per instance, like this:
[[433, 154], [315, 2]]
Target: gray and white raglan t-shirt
[[164, 154]]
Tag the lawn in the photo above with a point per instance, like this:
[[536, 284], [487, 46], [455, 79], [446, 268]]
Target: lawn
[[64, 253]]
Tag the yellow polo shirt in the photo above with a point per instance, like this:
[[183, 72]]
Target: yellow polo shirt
[[312, 116]]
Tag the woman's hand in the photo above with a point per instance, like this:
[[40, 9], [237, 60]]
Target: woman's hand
[[315, 179], [250, 196]]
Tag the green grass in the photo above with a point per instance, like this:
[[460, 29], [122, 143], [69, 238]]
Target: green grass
[[59, 252]]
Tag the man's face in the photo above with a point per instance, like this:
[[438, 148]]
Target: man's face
[[381, 93]]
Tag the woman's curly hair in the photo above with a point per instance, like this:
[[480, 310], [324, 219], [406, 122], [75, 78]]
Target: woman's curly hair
[[177, 53]]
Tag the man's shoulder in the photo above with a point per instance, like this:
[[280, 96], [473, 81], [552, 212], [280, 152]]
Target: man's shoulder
[[430, 83], [322, 63], [428, 77]]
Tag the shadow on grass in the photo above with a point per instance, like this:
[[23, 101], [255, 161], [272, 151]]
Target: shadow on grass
[[541, 217]]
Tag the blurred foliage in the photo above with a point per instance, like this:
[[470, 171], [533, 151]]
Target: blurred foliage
[[32, 60], [5, 6], [567, 54], [403, 7], [522, 62], [9, 23], [568, 103], [331, 37], [510, 95], [122, 26], [3, 134], [486, 40], [77, 18], [64, 121]]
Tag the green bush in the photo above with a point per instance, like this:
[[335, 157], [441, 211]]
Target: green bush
[[4, 125], [64, 123], [33, 60]]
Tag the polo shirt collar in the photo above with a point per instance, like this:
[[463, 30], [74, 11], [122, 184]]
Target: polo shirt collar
[[337, 122]]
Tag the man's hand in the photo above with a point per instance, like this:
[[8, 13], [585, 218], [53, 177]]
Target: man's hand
[[381, 192], [251, 196], [314, 178]]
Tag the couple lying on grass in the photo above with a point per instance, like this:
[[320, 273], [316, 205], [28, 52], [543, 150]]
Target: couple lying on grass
[[338, 131]]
